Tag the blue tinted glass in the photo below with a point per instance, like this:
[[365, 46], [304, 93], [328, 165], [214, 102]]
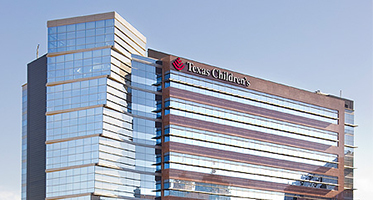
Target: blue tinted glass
[[80, 26], [90, 25], [70, 27], [100, 24], [109, 22], [61, 29], [52, 30]]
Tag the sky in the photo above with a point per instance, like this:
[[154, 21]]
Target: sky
[[311, 45]]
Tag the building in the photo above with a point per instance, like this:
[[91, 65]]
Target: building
[[104, 118]]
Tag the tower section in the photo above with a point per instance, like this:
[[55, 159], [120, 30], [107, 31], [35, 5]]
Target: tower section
[[93, 115]]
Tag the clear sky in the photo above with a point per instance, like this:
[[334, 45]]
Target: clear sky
[[312, 45]]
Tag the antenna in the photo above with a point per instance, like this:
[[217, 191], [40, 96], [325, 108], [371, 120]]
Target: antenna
[[37, 51], [340, 93]]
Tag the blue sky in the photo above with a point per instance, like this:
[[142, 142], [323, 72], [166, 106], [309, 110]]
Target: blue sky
[[312, 45]]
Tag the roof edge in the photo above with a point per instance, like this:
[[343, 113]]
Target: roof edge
[[81, 19]]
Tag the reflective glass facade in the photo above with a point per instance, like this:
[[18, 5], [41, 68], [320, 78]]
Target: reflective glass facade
[[24, 143], [81, 36], [223, 140], [100, 124], [123, 125]]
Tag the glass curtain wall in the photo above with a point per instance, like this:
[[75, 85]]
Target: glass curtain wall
[[76, 93], [225, 147], [24, 142], [100, 123]]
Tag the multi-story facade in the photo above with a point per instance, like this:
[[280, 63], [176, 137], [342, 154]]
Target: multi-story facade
[[232, 136], [104, 120]]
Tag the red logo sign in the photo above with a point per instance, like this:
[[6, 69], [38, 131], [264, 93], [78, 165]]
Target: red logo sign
[[178, 64]]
